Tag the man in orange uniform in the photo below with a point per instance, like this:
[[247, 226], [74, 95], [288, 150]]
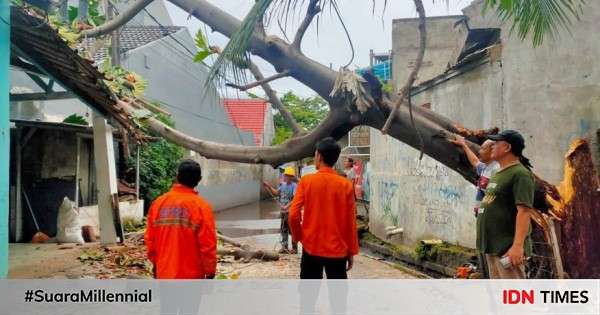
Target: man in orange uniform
[[181, 236], [327, 226]]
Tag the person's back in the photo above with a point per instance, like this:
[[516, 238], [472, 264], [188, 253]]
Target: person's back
[[328, 210], [181, 235], [323, 218]]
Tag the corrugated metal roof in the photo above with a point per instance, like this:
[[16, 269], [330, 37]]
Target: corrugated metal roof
[[248, 115], [132, 37], [33, 39]]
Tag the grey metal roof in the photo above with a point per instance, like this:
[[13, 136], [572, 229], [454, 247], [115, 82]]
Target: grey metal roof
[[131, 37]]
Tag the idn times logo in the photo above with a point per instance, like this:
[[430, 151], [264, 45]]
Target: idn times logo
[[514, 296]]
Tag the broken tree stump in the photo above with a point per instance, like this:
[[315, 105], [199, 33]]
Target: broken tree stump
[[579, 209]]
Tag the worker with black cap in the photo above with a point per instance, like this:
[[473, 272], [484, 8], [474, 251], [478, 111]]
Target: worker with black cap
[[503, 222]]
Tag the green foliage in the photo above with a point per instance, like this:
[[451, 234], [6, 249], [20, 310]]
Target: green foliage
[[308, 112], [235, 56], [537, 17], [388, 87], [90, 256], [158, 165], [94, 18], [76, 119], [131, 224], [426, 251], [122, 81], [203, 48], [67, 32]]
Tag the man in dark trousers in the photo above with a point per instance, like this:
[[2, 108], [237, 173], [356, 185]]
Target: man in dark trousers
[[323, 218], [181, 237]]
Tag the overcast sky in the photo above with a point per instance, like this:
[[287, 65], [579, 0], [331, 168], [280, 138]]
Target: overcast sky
[[367, 31]]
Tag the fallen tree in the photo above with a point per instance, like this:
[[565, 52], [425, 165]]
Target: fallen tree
[[351, 99]]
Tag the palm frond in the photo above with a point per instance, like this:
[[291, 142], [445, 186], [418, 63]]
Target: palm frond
[[537, 17], [235, 57]]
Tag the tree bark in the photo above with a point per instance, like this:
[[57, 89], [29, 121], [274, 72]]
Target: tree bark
[[117, 22], [337, 124], [276, 101], [247, 255], [580, 213], [321, 79]]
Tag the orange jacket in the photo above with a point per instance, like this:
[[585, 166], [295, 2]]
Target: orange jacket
[[181, 236], [327, 226]]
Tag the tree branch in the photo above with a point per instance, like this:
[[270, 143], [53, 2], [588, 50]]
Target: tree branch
[[275, 101], [311, 12], [336, 124], [262, 81], [271, 48], [119, 21], [405, 90]]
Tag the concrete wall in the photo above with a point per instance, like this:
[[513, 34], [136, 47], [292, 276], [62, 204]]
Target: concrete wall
[[441, 43], [551, 94], [269, 131], [198, 111], [559, 79]]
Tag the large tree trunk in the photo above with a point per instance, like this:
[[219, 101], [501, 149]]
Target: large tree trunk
[[579, 208], [434, 130], [321, 79]]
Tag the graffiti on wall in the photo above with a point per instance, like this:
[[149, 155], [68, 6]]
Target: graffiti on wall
[[438, 217], [387, 191]]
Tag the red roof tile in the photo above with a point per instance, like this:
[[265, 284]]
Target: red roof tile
[[248, 115]]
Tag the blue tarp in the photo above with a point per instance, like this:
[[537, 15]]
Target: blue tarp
[[382, 70]]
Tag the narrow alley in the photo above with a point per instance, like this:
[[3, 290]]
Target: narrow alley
[[254, 224]]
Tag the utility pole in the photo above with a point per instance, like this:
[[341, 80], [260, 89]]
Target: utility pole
[[104, 157], [115, 55]]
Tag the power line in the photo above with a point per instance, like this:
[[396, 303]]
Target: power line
[[192, 54]]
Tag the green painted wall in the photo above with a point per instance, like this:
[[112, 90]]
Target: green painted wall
[[4, 133]]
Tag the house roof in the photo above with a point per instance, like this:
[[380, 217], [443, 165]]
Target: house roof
[[132, 37], [475, 52], [38, 47], [248, 115]]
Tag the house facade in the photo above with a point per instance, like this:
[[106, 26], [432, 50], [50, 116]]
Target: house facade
[[159, 52]]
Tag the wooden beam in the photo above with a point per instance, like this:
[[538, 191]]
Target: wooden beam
[[23, 97], [39, 82]]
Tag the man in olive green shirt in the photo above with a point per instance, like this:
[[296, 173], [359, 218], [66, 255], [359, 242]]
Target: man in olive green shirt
[[504, 217]]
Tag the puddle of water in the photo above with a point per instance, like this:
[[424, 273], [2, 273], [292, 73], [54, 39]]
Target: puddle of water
[[256, 223]]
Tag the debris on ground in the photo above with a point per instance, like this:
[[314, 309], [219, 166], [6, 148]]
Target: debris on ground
[[129, 259]]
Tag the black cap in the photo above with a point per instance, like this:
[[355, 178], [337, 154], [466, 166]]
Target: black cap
[[516, 141], [513, 137]]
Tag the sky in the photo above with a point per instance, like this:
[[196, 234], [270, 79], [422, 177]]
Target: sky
[[330, 46]]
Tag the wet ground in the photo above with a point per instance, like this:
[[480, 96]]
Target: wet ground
[[255, 224]]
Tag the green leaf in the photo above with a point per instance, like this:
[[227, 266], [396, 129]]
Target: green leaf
[[73, 11], [308, 112], [235, 57], [201, 55], [201, 41], [76, 119], [538, 18]]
